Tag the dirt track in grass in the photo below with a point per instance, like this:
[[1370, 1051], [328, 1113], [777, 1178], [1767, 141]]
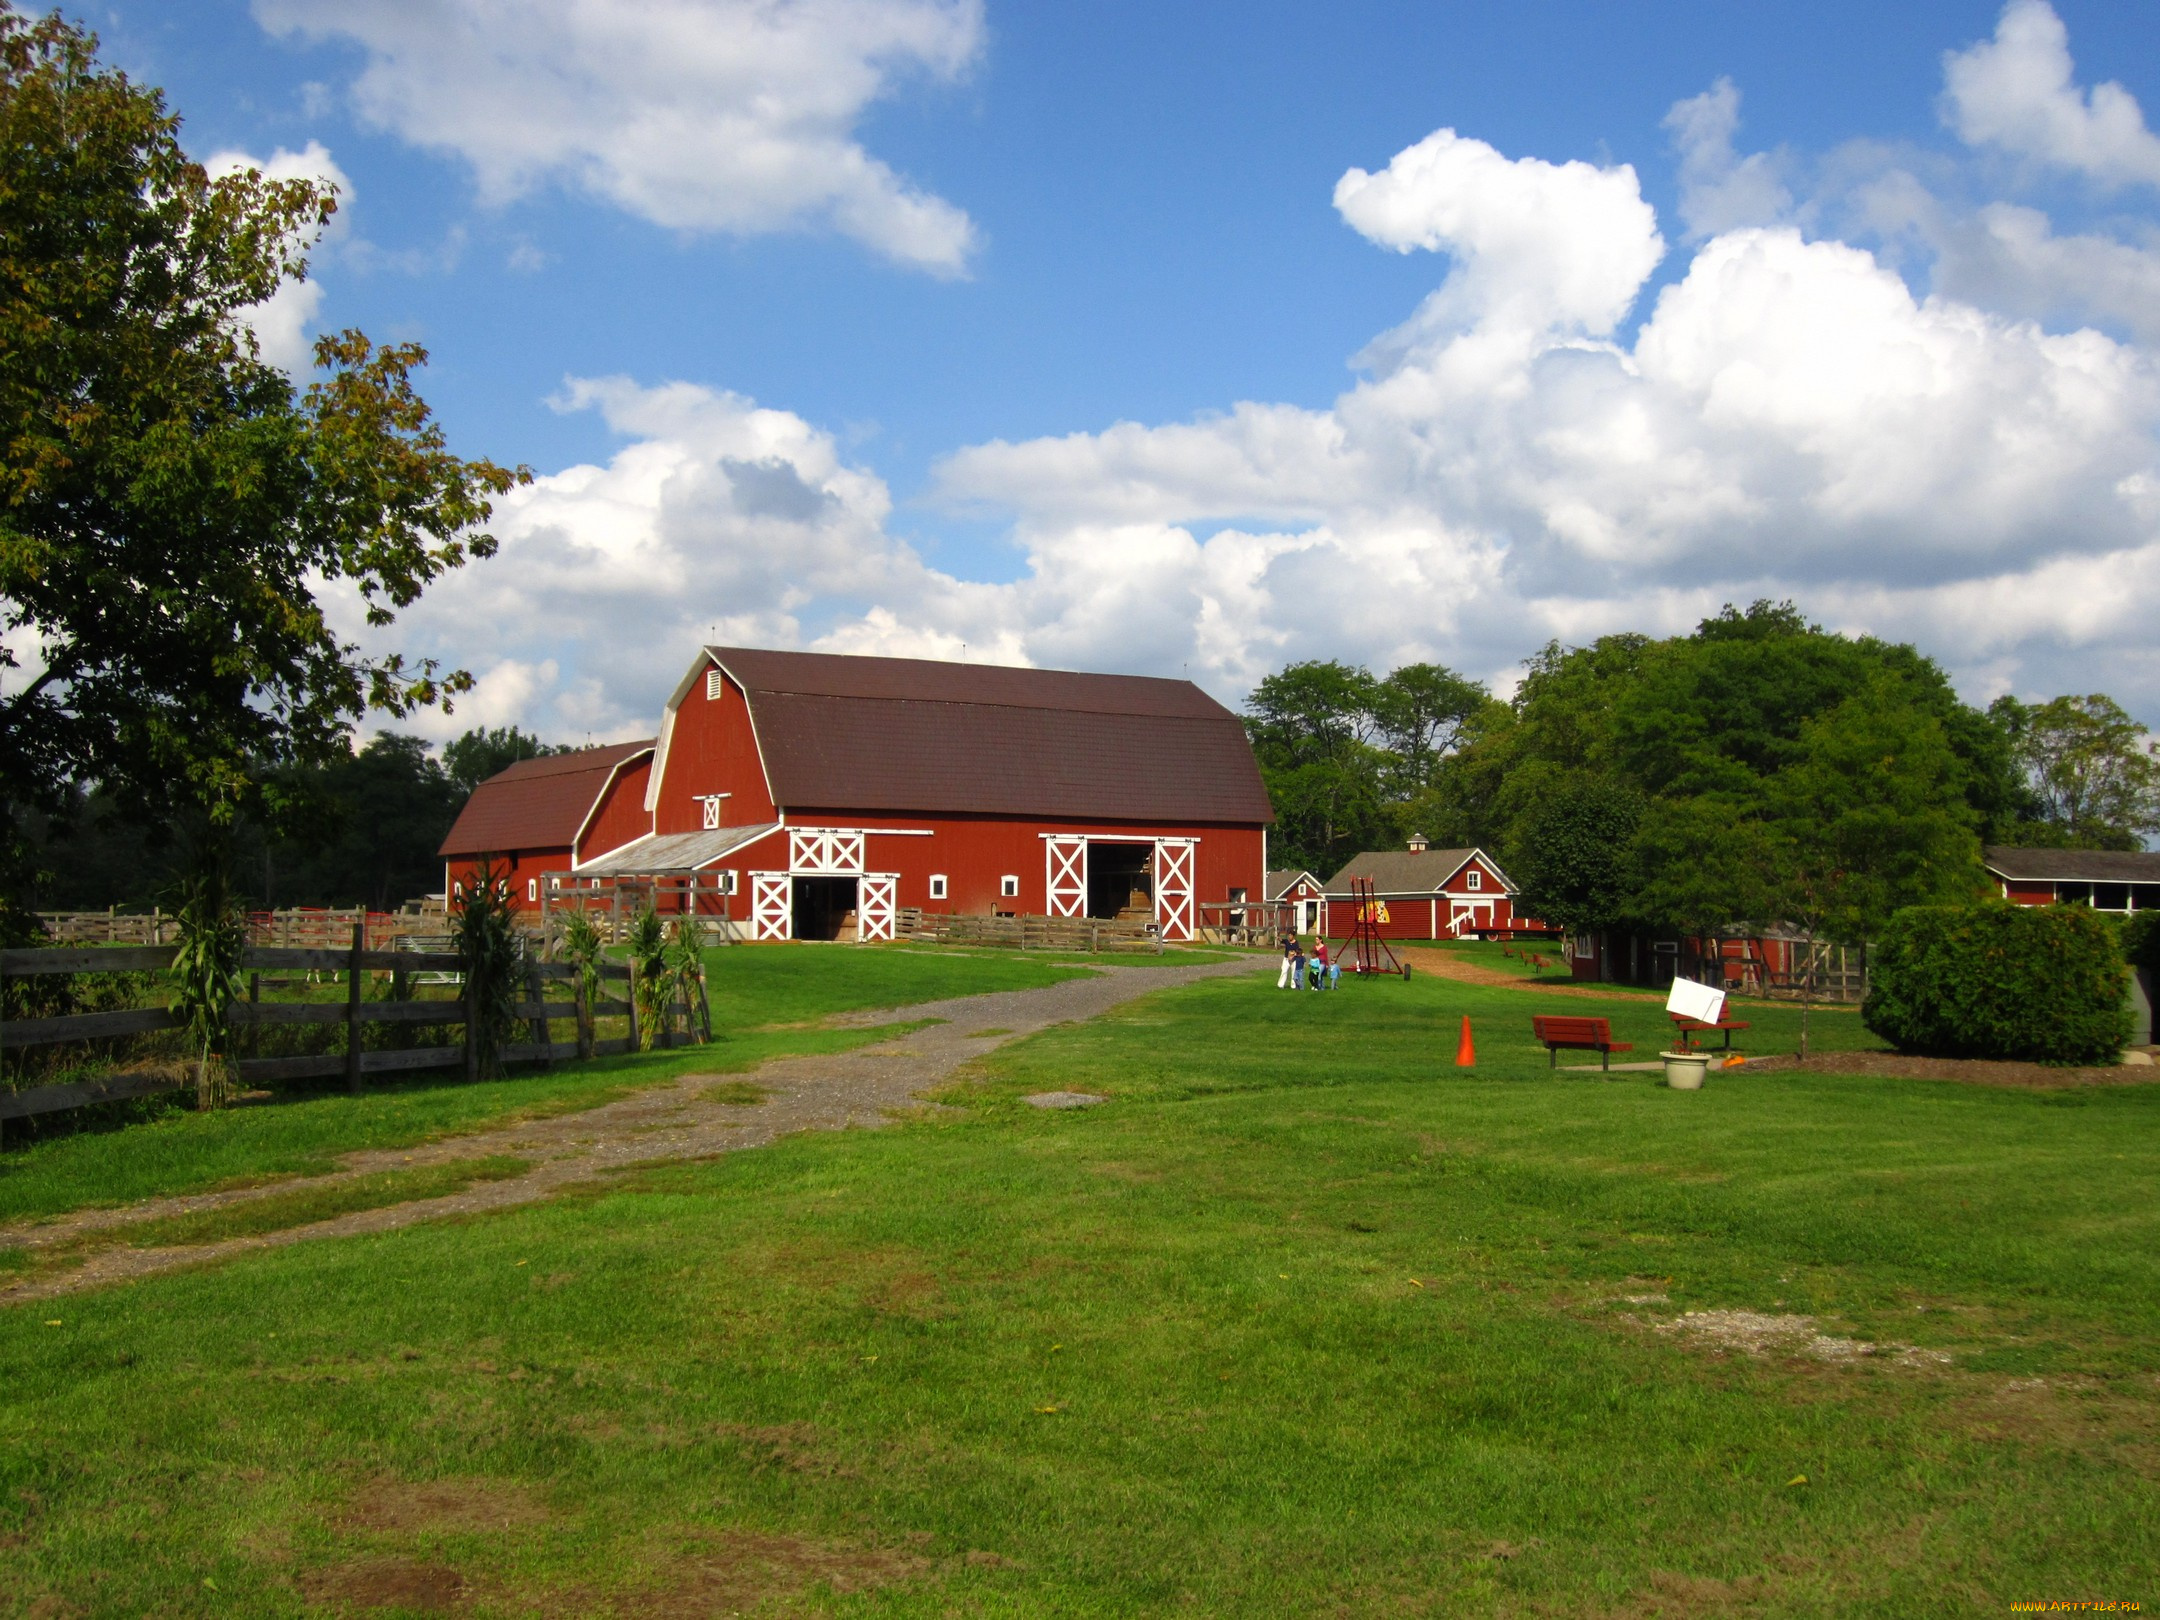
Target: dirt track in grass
[[694, 1116]]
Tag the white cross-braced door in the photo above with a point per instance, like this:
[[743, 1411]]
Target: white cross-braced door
[[818, 850], [770, 914], [1174, 887], [877, 913], [1068, 876]]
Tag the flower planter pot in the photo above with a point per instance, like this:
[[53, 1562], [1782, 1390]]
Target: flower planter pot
[[1684, 1071]]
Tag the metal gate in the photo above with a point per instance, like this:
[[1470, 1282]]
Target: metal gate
[[877, 915], [1068, 885], [1174, 887], [770, 913]]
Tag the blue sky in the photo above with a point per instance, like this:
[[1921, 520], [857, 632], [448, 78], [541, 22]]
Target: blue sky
[[1079, 216]]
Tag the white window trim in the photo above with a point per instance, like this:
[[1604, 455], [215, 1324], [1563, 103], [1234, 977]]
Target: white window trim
[[1474, 880], [939, 889], [709, 816], [1009, 886], [532, 891]]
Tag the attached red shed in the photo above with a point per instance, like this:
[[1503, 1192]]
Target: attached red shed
[[1428, 893], [541, 815], [829, 784], [2105, 879]]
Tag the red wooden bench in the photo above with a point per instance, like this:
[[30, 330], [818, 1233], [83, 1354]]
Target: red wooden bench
[[1579, 1035], [1691, 1027]]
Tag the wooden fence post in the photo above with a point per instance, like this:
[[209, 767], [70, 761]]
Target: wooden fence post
[[584, 1020], [539, 1018], [633, 1004], [472, 1043], [352, 1010]]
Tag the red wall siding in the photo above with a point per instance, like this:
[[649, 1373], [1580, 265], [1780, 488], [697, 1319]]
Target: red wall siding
[[974, 852], [520, 866], [622, 815], [712, 750], [2031, 894]]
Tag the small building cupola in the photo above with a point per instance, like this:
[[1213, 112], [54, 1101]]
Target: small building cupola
[[1417, 843]]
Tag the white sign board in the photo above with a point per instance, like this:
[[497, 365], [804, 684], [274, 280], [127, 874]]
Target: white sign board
[[1696, 1001]]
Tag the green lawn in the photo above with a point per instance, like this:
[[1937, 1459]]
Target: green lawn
[[1304, 1321], [761, 996]]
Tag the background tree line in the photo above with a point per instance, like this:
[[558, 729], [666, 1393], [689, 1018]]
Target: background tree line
[[360, 828], [1761, 769]]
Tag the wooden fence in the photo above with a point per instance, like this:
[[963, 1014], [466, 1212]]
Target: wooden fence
[[1027, 933], [357, 962], [302, 928]]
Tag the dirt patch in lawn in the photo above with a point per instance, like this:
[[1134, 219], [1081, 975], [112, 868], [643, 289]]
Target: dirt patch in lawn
[[738, 1572], [385, 1583], [438, 1505], [1966, 1071], [1757, 1333]]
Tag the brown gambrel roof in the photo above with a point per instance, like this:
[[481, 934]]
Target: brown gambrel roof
[[2073, 865], [916, 736], [537, 803]]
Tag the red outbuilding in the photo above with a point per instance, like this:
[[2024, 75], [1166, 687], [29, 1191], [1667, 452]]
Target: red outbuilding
[[2105, 879], [539, 817], [1428, 893], [814, 786]]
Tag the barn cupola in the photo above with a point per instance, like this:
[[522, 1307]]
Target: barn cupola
[[1417, 843]]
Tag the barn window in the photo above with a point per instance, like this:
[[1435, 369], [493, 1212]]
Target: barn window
[[532, 891], [1475, 880], [711, 802], [1008, 885], [554, 883], [458, 889], [715, 686], [937, 885], [725, 882]]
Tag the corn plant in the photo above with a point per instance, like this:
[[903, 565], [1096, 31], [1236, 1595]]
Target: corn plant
[[206, 969], [686, 975], [583, 949], [648, 958], [490, 959]]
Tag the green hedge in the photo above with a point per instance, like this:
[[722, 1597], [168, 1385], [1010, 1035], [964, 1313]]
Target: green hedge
[[2042, 984]]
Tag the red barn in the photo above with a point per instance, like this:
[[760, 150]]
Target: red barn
[[816, 785], [1427, 893], [543, 816]]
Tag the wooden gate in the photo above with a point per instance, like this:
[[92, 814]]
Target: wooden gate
[[876, 912], [1068, 885], [771, 915], [1174, 887]]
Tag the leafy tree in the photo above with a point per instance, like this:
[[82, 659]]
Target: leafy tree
[[2091, 773], [1344, 753], [1575, 858], [169, 503], [377, 819], [481, 753]]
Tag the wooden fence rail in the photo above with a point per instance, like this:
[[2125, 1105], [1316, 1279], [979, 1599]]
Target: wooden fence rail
[[1029, 933], [356, 961]]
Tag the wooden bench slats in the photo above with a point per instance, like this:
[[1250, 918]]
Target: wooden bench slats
[[1578, 1034]]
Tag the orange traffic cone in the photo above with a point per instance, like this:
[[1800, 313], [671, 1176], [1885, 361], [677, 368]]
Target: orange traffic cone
[[1465, 1049]]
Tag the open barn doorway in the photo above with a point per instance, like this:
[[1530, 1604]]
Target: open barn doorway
[[1121, 877], [822, 905]]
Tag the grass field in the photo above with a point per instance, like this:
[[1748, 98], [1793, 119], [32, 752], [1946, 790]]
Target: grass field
[[1304, 1321], [766, 1001]]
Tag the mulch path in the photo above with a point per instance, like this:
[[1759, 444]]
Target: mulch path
[[1967, 1071], [674, 1120]]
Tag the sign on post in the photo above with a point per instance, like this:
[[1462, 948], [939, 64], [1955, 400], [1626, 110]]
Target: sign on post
[[1697, 1001]]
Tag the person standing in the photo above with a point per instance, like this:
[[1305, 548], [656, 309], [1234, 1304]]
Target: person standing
[[1283, 980], [1324, 970]]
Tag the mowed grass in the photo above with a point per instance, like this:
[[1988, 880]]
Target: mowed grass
[[764, 998], [1304, 1320]]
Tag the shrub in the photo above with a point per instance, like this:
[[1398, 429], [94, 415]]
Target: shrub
[[2041, 984], [2141, 941]]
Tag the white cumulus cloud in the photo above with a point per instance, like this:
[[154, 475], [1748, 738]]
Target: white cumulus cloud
[[699, 115], [284, 324], [1534, 454], [2018, 91]]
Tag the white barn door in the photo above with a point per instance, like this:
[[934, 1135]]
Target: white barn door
[[1174, 887], [1067, 888], [877, 914], [825, 850], [771, 917]]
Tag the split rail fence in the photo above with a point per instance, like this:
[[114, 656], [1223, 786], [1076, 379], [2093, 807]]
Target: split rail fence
[[1027, 933], [357, 963]]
